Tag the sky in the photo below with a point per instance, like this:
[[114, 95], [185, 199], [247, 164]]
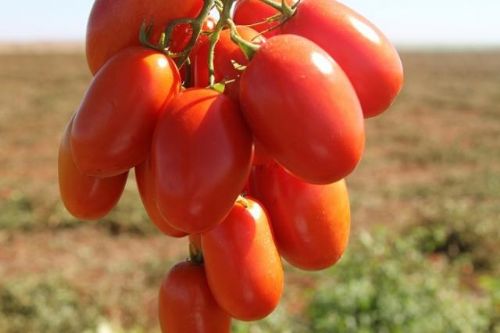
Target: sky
[[436, 23]]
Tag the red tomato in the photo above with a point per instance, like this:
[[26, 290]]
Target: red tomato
[[201, 156], [261, 157], [85, 197], [303, 109], [146, 185], [310, 222], [115, 25], [225, 51], [114, 125], [359, 47], [243, 266], [250, 12], [186, 304]]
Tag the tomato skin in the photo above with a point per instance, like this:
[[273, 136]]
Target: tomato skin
[[311, 223], [115, 25], [186, 303], [302, 108], [113, 127], [147, 190], [201, 156], [85, 197], [225, 51], [243, 266], [249, 12], [368, 58]]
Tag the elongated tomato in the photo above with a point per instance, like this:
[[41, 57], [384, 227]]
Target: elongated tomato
[[255, 13], [147, 189], [302, 108], [186, 304], [242, 263], [201, 156], [114, 125], [85, 197], [114, 25], [368, 58], [311, 222]]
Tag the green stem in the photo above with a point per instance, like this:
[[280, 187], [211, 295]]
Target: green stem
[[247, 47]]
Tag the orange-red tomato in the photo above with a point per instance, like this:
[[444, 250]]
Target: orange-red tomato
[[243, 266], [311, 222], [85, 197], [186, 304], [146, 185], [302, 108], [225, 52], [368, 58], [114, 25], [201, 156], [114, 125], [255, 13]]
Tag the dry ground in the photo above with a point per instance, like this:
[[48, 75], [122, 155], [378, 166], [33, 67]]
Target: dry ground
[[437, 150]]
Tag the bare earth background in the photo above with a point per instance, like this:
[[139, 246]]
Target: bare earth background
[[430, 180]]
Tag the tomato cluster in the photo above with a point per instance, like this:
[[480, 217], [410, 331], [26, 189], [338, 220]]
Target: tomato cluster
[[252, 173]]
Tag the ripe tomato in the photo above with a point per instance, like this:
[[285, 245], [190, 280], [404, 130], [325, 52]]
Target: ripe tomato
[[225, 51], [302, 109], [242, 263], [186, 304], [201, 156], [310, 222], [359, 47], [85, 197], [250, 12], [261, 157], [115, 25], [113, 127], [146, 185]]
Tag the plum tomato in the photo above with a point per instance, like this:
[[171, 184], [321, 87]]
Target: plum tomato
[[201, 157], [311, 222], [367, 57], [85, 197], [302, 108], [186, 304], [114, 125], [115, 25], [147, 190], [243, 266]]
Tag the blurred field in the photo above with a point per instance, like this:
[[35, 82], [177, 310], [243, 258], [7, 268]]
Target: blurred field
[[425, 200]]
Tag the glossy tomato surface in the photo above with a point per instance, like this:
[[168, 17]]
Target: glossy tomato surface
[[85, 197], [225, 52], [368, 58], [147, 190], [114, 125], [115, 25], [255, 13], [243, 266], [186, 303], [303, 110], [311, 223], [201, 156]]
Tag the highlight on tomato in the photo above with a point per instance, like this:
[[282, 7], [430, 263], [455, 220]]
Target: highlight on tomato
[[303, 110], [201, 156], [85, 197], [369, 59], [311, 223], [243, 266], [114, 124]]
